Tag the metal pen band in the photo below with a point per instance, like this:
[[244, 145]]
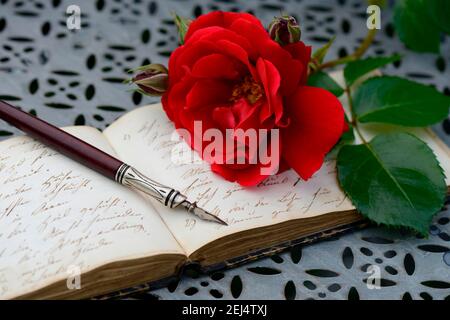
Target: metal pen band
[[130, 177], [120, 173]]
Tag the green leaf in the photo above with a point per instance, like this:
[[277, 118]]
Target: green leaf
[[182, 26], [399, 101], [415, 27], [440, 13], [320, 53], [356, 69], [322, 80], [393, 180]]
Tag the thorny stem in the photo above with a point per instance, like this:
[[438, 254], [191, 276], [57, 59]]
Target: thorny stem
[[359, 52]]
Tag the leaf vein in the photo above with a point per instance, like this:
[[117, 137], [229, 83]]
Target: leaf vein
[[390, 175]]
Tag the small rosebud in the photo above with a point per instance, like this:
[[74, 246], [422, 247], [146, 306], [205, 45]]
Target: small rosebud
[[153, 79], [285, 30]]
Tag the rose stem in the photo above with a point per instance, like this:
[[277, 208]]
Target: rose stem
[[359, 52], [353, 121]]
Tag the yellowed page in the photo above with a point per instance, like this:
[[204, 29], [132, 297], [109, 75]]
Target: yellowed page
[[58, 218], [144, 139]]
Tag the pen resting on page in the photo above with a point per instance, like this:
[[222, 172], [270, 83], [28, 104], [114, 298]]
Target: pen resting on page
[[98, 160]]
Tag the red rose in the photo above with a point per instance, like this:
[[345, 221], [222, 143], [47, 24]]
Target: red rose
[[230, 74]]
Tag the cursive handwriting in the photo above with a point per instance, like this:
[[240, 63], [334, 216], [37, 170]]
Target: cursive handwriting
[[55, 213]]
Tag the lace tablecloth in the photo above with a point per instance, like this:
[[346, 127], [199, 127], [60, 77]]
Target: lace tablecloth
[[74, 77]]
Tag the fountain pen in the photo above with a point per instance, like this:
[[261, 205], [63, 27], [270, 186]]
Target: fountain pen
[[97, 160]]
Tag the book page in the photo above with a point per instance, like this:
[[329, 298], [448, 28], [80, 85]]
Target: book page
[[58, 218], [145, 139]]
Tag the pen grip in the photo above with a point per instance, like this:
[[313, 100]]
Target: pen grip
[[132, 178], [61, 141]]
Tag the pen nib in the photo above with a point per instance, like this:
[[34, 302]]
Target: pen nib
[[202, 214]]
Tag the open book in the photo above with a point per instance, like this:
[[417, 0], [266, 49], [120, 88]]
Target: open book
[[68, 232]]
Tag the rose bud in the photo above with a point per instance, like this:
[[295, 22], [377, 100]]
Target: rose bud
[[153, 79], [285, 30]]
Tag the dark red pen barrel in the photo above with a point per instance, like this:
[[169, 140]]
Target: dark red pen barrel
[[61, 141]]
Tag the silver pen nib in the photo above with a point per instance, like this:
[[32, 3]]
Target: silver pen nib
[[202, 214]]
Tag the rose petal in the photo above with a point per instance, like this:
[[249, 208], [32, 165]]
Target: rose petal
[[248, 177], [215, 33], [208, 93], [233, 50], [224, 117], [217, 66], [174, 100], [184, 57], [302, 53], [317, 122], [290, 69], [246, 114], [270, 79], [220, 19], [211, 40]]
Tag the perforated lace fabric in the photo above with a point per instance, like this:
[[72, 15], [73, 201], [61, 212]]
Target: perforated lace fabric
[[74, 77]]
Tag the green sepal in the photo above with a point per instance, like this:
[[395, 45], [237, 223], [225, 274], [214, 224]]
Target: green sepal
[[182, 26]]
